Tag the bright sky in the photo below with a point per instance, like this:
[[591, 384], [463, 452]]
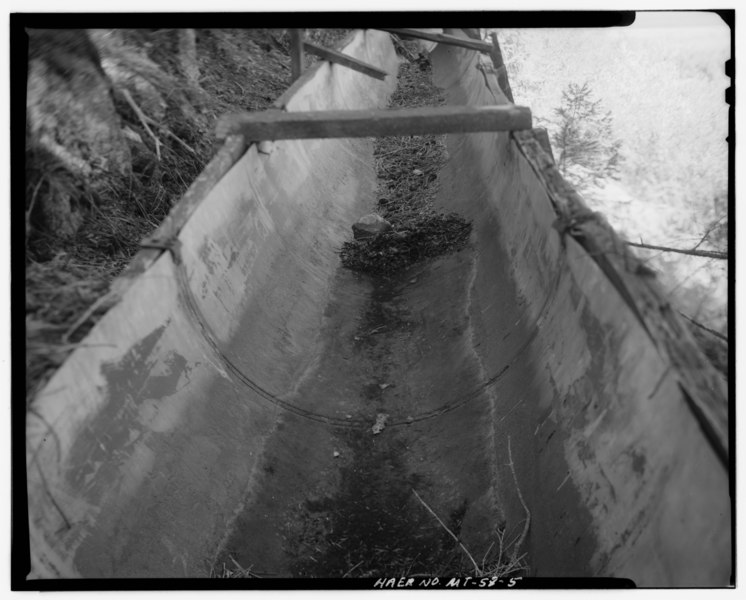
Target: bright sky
[[344, 5], [678, 19], [705, 29]]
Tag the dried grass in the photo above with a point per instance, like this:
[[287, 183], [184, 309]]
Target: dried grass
[[56, 292], [234, 571], [496, 562]]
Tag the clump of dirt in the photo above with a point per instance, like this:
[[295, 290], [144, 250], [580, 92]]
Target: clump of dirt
[[407, 168], [414, 238]]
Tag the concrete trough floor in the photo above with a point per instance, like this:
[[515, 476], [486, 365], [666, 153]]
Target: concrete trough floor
[[225, 408]]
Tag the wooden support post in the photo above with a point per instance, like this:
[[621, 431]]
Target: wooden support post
[[500, 68], [308, 74], [473, 33], [442, 38], [344, 60], [542, 136], [296, 53], [276, 125]]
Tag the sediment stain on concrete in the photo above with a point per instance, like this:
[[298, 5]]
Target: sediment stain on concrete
[[349, 506], [140, 375]]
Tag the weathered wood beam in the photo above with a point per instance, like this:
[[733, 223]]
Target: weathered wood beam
[[442, 38], [277, 125], [296, 53], [500, 68], [344, 59]]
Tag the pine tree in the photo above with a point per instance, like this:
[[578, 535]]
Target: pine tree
[[583, 138]]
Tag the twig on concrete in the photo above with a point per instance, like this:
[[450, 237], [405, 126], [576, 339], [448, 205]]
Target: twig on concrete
[[500, 566], [523, 503], [352, 569], [564, 481], [453, 535], [507, 414]]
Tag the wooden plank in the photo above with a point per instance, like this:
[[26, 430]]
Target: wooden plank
[[278, 125], [345, 60], [472, 32], [442, 38], [308, 75], [296, 53]]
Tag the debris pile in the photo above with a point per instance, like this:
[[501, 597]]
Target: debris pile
[[424, 236], [407, 168]]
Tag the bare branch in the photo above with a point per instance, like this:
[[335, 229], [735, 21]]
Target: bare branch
[[694, 252], [712, 331], [708, 232]]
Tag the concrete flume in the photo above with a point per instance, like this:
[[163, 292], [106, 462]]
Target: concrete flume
[[225, 407]]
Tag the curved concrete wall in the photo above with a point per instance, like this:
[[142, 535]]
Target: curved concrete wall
[[624, 482], [126, 441], [224, 406]]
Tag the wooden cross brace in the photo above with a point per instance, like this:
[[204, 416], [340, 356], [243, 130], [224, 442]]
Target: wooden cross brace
[[280, 125]]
